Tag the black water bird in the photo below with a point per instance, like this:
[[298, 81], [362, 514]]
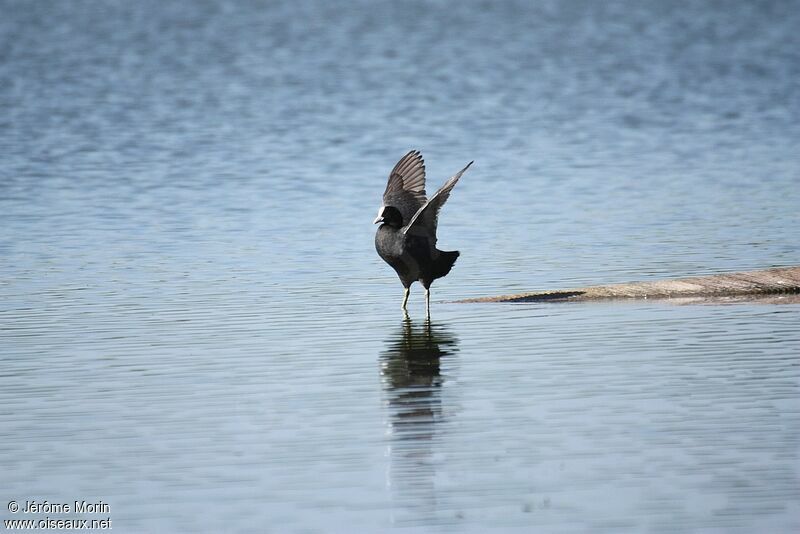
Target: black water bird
[[407, 238]]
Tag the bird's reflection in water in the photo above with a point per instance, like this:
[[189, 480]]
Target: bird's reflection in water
[[412, 381]]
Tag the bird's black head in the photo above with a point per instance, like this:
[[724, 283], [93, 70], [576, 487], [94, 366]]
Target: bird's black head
[[389, 215]]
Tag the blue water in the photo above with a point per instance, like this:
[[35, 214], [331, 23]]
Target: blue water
[[195, 327]]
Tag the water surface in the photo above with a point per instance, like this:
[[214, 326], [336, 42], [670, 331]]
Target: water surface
[[195, 328]]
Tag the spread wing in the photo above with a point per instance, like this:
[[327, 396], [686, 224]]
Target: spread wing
[[425, 220], [406, 188]]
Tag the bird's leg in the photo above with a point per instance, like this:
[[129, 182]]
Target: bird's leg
[[428, 301], [405, 298]]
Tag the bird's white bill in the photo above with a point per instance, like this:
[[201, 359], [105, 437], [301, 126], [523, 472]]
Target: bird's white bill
[[379, 218]]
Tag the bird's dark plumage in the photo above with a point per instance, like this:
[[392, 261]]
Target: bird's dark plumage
[[406, 239]]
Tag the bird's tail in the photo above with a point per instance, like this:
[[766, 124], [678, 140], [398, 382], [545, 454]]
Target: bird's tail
[[444, 263]]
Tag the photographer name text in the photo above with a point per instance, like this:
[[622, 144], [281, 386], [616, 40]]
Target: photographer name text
[[77, 507]]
